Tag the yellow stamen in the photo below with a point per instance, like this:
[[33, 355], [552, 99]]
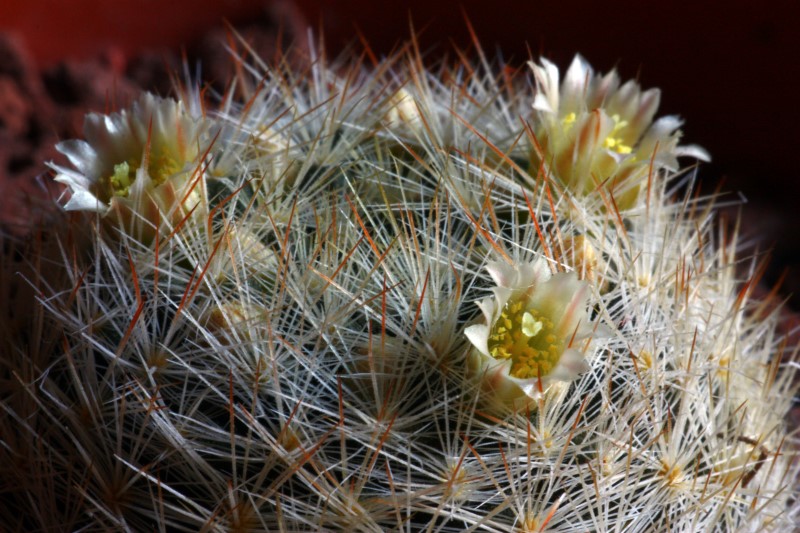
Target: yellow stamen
[[122, 179], [530, 326], [517, 335], [615, 143], [161, 166]]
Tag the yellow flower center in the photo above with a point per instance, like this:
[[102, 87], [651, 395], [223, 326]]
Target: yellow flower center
[[122, 179], [527, 337], [615, 143], [161, 166]]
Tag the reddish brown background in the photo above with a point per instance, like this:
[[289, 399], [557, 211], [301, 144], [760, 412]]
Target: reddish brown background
[[728, 68]]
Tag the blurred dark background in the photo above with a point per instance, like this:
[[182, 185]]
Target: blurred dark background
[[728, 68]]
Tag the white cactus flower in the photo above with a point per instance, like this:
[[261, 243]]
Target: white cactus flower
[[592, 130], [137, 166], [532, 329]]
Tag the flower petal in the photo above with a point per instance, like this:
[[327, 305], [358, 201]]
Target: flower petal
[[590, 134], [639, 121], [110, 137], [601, 89], [478, 335], [503, 274], [532, 273], [693, 150], [83, 200], [487, 305], [592, 130], [664, 126], [571, 365], [531, 388], [557, 302], [502, 295], [563, 297], [82, 156], [573, 89], [547, 76], [71, 178], [520, 276]]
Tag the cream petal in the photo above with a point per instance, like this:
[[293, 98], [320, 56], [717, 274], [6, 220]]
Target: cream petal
[[648, 106], [571, 365], [590, 134], [529, 274], [662, 135], [71, 178], [504, 388], [573, 88], [617, 157], [601, 89], [667, 160], [83, 200], [625, 101], [502, 295], [478, 335], [531, 387], [664, 127], [502, 273], [575, 315], [521, 276], [541, 103], [487, 306], [82, 156], [563, 297], [110, 137], [547, 84], [146, 114], [693, 150]]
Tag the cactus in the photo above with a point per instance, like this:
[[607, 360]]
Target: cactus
[[407, 297]]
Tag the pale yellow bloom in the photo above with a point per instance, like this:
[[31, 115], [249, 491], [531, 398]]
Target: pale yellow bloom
[[141, 169], [533, 330], [592, 130]]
